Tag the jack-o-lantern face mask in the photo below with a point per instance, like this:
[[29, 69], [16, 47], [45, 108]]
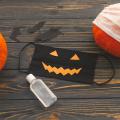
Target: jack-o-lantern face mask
[[69, 65], [63, 64]]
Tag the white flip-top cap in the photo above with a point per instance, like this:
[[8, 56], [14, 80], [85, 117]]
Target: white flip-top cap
[[30, 78]]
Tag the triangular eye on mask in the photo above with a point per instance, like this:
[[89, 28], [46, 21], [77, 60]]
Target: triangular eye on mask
[[75, 57], [54, 53]]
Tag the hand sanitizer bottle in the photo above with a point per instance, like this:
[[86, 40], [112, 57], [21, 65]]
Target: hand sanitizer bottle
[[41, 91]]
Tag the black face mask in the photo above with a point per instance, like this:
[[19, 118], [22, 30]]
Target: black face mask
[[63, 64]]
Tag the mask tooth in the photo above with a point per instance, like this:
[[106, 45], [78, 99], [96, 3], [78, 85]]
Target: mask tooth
[[49, 68], [64, 71], [56, 70], [78, 70], [67, 71], [71, 72], [44, 65]]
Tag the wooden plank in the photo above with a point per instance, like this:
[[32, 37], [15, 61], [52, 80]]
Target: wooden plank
[[72, 29], [43, 11], [113, 2], [51, 2], [72, 109], [14, 86]]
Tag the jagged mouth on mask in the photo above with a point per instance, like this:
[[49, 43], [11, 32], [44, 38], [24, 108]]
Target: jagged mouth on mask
[[61, 70]]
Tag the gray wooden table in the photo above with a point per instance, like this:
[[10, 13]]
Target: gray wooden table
[[75, 101]]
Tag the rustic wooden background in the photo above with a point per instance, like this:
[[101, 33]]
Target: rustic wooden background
[[75, 101]]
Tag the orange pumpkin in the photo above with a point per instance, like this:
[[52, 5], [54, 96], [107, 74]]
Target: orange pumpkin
[[3, 51], [106, 29], [106, 42]]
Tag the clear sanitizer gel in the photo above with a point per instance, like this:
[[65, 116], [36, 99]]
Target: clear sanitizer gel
[[41, 91]]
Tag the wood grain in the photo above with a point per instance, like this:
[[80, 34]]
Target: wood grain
[[73, 29], [51, 11], [72, 109], [75, 101]]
